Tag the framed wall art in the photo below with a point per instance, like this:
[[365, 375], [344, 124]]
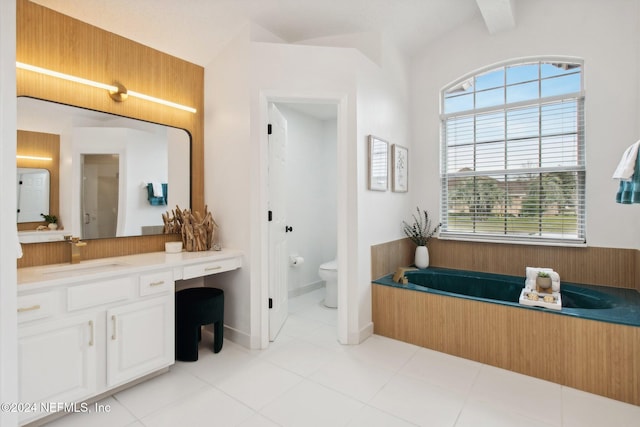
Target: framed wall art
[[378, 164], [400, 164]]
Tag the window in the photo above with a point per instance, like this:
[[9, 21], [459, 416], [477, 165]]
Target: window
[[513, 164]]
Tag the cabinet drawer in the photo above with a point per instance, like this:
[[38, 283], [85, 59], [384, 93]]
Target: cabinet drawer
[[100, 293], [213, 267], [37, 306], [156, 283]]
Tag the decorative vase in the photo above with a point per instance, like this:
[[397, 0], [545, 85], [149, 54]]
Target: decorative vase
[[422, 257], [543, 283], [53, 226]]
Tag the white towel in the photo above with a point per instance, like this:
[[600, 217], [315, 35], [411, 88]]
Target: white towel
[[19, 247], [532, 273], [627, 164], [157, 189]]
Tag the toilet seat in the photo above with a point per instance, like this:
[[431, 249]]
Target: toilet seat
[[331, 265]]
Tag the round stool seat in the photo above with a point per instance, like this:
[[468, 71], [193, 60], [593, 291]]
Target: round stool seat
[[196, 307]]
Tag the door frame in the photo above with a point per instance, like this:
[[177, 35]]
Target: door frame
[[347, 307]]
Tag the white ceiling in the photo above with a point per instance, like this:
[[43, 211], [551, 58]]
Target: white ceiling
[[196, 30]]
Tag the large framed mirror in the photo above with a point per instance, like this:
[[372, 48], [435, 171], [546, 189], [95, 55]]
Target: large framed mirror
[[111, 176]]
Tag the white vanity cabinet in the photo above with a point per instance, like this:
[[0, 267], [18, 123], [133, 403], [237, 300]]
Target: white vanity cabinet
[[140, 339], [96, 336], [86, 329], [57, 361]]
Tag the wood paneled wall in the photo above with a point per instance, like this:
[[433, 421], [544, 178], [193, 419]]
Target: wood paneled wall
[[57, 42], [596, 357], [591, 265], [41, 145]]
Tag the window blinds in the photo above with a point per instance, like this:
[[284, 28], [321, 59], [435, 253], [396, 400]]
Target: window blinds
[[515, 170]]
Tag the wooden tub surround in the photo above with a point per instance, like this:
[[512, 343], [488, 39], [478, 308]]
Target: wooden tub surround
[[593, 356]]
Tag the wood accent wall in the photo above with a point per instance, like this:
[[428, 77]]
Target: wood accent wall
[[590, 265], [60, 252], [596, 357], [51, 40], [41, 145]]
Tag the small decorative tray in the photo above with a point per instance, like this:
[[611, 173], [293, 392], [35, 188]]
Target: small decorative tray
[[536, 299]]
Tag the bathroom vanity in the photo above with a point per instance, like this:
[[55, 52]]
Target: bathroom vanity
[[88, 328]]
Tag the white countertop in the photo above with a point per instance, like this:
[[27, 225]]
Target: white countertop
[[33, 278], [38, 236]]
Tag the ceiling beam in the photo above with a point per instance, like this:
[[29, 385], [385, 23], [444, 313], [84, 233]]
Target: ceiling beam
[[498, 15]]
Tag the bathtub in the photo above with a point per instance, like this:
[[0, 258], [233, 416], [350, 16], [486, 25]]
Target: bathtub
[[592, 343], [601, 303]]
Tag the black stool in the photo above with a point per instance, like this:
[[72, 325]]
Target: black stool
[[196, 307]]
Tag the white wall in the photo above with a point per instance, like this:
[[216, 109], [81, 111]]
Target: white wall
[[8, 234], [372, 99], [383, 110], [311, 194], [143, 159], [606, 35], [179, 154], [227, 179]]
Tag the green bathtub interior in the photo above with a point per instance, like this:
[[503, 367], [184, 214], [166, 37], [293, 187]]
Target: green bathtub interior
[[615, 305]]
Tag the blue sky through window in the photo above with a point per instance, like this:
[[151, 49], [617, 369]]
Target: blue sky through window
[[511, 84]]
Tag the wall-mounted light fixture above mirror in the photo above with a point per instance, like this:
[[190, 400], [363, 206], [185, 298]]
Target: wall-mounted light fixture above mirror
[[146, 153], [117, 91]]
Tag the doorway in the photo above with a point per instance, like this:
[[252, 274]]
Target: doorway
[[302, 199], [100, 193]]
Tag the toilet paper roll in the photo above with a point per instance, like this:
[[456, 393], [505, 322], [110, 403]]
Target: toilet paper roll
[[296, 260]]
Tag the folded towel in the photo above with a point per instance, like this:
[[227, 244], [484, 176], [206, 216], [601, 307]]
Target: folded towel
[[157, 189], [629, 191], [19, 247], [627, 164], [532, 274]]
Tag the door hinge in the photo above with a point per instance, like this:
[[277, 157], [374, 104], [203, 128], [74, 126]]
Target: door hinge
[[270, 302], [270, 216], [269, 129]]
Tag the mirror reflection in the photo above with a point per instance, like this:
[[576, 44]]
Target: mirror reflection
[[32, 194], [110, 176]]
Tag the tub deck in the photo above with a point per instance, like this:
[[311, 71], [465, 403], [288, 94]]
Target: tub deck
[[596, 356], [607, 304]]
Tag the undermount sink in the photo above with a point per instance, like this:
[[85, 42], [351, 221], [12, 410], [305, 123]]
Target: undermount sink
[[87, 267]]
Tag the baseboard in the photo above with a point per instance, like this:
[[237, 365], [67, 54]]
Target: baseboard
[[305, 289], [361, 335], [231, 334]]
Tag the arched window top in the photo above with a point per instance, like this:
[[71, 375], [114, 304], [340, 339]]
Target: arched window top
[[513, 82], [512, 153]]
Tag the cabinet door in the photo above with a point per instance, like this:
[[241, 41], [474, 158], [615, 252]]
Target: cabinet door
[[140, 339], [57, 361]]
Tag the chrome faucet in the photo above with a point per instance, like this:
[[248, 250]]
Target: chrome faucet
[[76, 245]]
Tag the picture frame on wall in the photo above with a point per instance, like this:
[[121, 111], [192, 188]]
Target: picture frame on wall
[[400, 164], [378, 164]]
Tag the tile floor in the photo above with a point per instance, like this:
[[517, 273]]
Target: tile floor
[[306, 378]]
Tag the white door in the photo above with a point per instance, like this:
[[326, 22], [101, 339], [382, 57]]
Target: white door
[[140, 339], [278, 256]]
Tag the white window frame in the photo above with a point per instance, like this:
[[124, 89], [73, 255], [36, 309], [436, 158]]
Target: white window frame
[[579, 168]]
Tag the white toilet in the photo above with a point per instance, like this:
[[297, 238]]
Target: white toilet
[[329, 273]]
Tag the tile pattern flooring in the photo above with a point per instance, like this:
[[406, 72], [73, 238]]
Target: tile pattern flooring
[[306, 378]]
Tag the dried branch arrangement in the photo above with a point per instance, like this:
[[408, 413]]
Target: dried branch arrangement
[[198, 231]]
